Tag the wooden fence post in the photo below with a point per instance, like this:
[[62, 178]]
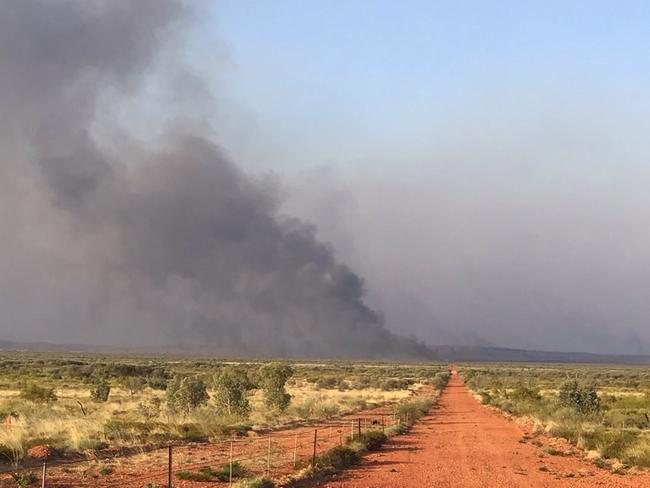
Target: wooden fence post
[[169, 467], [230, 466], [43, 481], [268, 459], [313, 456], [295, 450]]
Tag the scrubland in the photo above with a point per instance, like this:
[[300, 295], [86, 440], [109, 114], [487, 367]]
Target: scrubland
[[604, 410], [81, 404]]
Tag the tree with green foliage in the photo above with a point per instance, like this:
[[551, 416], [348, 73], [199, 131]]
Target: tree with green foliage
[[186, 393], [100, 392], [232, 385], [273, 378], [582, 398], [135, 384]]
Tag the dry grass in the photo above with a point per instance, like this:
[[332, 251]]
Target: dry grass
[[119, 421]]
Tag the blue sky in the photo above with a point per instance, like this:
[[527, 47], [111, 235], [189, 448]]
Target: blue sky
[[341, 76]]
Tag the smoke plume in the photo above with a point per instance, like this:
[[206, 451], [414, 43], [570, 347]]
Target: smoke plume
[[116, 241]]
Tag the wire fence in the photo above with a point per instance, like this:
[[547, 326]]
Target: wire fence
[[272, 455]]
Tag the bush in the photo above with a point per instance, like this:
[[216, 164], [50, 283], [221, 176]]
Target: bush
[[410, 412], [394, 384], [258, 482], [372, 440], [38, 394], [327, 383], [526, 394], [441, 379], [610, 443], [583, 399], [397, 429], [204, 474], [486, 397], [238, 471], [100, 392], [24, 479], [338, 458]]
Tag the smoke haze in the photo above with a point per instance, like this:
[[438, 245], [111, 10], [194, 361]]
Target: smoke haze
[[165, 241], [476, 189]]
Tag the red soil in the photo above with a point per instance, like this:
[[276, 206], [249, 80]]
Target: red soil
[[464, 445]]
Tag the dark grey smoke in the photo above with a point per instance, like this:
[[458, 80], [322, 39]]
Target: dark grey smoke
[[172, 245]]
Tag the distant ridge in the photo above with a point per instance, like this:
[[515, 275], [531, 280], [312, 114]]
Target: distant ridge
[[497, 354], [440, 353]]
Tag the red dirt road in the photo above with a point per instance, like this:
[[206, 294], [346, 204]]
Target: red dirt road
[[464, 444]]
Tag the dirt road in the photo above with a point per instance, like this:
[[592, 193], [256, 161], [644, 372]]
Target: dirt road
[[464, 444]]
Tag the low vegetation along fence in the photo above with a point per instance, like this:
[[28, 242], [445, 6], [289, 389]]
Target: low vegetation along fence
[[270, 456]]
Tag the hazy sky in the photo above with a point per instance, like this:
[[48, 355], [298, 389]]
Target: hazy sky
[[483, 165], [481, 168]]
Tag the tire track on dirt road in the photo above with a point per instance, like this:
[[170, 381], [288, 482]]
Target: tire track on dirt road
[[463, 444]]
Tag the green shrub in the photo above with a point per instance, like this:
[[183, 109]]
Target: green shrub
[[486, 397], [610, 443], [583, 399], [100, 392], [372, 440], [258, 482], [338, 458], [441, 379], [204, 474], [411, 411], [327, 382], [638, 455], [24, 479], [397, 429], [238, 471]]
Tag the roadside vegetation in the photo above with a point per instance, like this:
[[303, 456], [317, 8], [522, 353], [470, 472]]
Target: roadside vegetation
[[604, 410], [76, 404]]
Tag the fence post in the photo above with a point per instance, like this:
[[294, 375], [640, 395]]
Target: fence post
[[268, 459], [295, 450], [313, 456], [230, 466], [43, 481], [352, 429], [359, 427], [169, 467]]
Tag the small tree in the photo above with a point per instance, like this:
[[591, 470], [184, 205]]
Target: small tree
[[100, 392], [232, 385], [134, 384], [273, 378], [185, 394], [583, 399]]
